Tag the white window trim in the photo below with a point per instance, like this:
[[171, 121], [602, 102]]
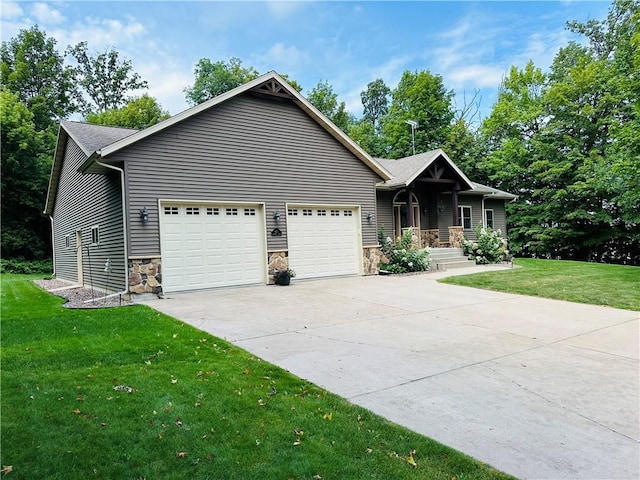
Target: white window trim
[[67, 240], [461, 216], [493, 217], [95, 228]]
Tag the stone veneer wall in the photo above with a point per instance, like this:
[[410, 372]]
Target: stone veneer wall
[[371, 259], [456, 236], [276, 261], [145, 275], [430, 238]]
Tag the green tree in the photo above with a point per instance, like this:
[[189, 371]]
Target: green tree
[[139, 113], [105, 78], [420, 97], [25, 171], [325, 99], [213, 79], [375, 102], [32, 68]]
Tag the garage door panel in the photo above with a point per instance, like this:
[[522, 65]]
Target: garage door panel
[[323, 241], [213, 246]]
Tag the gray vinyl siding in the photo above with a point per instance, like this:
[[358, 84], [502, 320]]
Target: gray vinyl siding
[[475, 202], [384, 200], [84, 201], [248, 149], [499, 215]]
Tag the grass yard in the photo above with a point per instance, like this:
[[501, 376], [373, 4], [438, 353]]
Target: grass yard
[[130, 393], [595, 283]]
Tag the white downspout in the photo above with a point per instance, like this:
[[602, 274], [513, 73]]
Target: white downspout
[[53, 244], [124, 224], [484, 216]]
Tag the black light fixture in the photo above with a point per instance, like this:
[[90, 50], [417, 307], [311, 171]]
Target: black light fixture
[[276, 216], [370, 217], [144, 215]]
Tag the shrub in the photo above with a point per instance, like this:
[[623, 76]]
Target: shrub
[[488, 248], [403, 257], [26, 266]]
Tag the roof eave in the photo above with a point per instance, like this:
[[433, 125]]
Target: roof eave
[[56, 166]]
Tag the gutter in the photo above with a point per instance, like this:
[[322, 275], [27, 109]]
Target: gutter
[[53, 244], [124, 224]]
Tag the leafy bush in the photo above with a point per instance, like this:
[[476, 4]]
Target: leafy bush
[[26, 266], [403, 257], [488, 248]]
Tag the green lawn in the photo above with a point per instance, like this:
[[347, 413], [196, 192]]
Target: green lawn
[[596, 283], [199, 407]]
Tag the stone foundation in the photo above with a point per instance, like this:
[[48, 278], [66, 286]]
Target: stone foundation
[[276, 261], [145, 275], [371, 259], [430, 238], [456, 236]]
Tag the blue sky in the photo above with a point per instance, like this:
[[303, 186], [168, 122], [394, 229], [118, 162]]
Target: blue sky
[[470, 44]]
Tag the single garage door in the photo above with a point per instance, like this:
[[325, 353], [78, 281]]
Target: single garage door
[[323, 240], [205, 246]]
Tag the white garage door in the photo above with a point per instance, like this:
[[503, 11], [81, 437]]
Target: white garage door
[[206, 246], [323, 240]]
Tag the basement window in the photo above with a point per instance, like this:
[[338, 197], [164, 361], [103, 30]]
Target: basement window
[[95, 235]]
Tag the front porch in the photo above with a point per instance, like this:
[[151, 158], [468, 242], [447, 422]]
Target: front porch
[[431, 237]]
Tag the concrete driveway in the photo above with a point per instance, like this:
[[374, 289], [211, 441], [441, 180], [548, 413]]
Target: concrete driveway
[[537, 388]]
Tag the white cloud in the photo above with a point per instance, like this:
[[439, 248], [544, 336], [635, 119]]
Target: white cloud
[[475, 76], [10, 10], [283, 9], [101, 33], [167, 80], [281, 56], [46, 15]]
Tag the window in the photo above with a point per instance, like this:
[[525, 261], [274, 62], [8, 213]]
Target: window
[[464, 217], [213, 211], [292, 212], [67, 241], [488, 218], [348, 213], [335, 213], [171, 210], [250, 212], [307, 212], [231, 211], [193, 211], [322, 213], [95, 235]]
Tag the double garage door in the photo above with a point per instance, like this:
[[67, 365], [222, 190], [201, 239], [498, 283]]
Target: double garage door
[[217, 245]]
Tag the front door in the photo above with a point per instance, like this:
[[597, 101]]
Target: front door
[[401, 217]]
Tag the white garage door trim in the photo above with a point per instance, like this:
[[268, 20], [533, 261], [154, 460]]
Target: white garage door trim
[[325, 242], [211, 244]]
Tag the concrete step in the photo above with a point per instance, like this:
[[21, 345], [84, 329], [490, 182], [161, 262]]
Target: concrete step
[[448, 258]]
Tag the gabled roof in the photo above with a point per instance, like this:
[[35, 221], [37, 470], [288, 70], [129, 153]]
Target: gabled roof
[[406, 170], [99, 142], [90, 138], [270, 81], [491, 192]]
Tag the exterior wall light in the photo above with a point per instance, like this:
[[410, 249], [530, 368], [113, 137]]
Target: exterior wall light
[[370, 217], [144, 215], [276, 216]]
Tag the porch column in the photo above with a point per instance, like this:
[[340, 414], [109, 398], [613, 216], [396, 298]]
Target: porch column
[[410, 205], [454, 205]]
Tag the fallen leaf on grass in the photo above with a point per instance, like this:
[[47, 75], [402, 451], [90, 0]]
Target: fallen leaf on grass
[[411, 461], [328, 416], [178, 422], [76, 411], [6, 469], [174, 381], [181, 454]]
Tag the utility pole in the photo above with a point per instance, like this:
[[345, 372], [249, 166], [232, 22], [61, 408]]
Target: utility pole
[[413, 125]]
